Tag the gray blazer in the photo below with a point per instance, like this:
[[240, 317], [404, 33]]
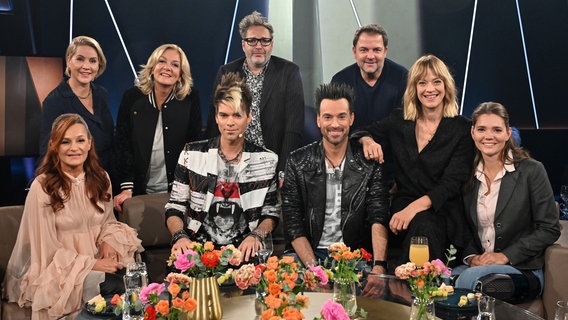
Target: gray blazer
[[526, 217]]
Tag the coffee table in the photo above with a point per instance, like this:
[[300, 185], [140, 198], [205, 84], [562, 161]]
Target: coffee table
[[388, 298]]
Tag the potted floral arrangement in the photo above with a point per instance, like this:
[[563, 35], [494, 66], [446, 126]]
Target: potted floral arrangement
[[280, 285], [423, 281], [207, 267], [343, 267], [168, 301]]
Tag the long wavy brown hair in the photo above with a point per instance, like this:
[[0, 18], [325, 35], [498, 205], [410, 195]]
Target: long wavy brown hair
[[56, 183]]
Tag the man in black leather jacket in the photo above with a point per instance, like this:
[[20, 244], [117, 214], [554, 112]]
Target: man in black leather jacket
[[331, 193]]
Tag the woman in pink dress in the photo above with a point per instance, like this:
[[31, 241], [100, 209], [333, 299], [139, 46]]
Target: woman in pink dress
[[69, 245]]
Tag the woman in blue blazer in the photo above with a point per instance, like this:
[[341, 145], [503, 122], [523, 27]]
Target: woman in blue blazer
[[509, 204]]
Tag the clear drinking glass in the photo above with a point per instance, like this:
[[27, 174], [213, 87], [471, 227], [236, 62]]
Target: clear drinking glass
[[564, 204], [139, 268], [132, 309], [486, 307], [419, 250], [267, 247], [561, 310]]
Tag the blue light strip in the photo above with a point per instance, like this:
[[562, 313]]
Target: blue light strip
[[468, 54], [355, 13], [122, 42], [527, 64], [231, 32]]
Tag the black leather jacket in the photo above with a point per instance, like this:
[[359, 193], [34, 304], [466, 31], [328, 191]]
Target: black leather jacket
[[364, 199]]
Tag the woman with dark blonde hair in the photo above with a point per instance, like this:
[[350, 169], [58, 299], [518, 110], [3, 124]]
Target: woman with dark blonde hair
[[69, 245], [85, 62], [510, 208], [155, 120], [432, 152]]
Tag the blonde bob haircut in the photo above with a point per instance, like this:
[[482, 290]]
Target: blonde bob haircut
[[412, 106], [85, 41], [146, 80]]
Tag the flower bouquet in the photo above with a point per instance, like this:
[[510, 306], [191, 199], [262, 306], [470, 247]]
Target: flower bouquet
[[424, 280], [343, 267], [169, 301], [203, 260], [280, 285]]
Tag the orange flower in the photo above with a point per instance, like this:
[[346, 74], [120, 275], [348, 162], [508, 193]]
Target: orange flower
[[174, 289], [189, 305], [287, 259], [115, 299], [273, 302], [177, 302], [208, 246], [348, 255], [272, 263], [267, 314], [292, 314], [420, 283], [163, 307], [303, 301], [291, 284], [210, 259], [274, 289], [271, 276], [185, 295]]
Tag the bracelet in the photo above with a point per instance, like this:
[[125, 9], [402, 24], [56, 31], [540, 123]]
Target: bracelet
[[381, 263], [256, 235], [178, 235]]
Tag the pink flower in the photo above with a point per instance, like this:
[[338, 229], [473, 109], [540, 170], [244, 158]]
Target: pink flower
[[246, 276], [404, 271], [333, 311], [182, 263], [440, 267], [318, 271], [152, 288], [235, 258]]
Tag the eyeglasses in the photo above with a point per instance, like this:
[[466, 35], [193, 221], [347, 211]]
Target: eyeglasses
[[265, 42]]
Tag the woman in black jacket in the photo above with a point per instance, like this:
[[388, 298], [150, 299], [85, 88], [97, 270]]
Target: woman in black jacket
[[155, 120]]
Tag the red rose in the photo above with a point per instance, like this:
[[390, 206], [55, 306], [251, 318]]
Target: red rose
[[366, 255], [210, 259], [150, 313]]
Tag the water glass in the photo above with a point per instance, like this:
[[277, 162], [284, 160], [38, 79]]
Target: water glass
[[267, 247], [132, 308], [138, 268], [561, 310], [486, 307]]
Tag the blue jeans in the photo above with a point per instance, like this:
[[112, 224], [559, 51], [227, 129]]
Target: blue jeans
[[468, 276]]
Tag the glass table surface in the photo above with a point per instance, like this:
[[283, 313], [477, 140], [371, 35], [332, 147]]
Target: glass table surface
[[387, 297]]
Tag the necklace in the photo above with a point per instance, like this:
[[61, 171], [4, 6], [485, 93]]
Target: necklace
[[85, 97], [337, 172], [224, 158], [430, 132]]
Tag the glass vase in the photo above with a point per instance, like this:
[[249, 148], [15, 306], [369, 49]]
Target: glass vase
[[422, 309], [205, 291], [344, 293], [259, 306]]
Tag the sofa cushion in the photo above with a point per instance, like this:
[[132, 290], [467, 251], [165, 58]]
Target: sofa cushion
[[145, 213], [10, 217]]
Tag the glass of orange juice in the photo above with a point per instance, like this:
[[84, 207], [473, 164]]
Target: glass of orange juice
[[419, 250]]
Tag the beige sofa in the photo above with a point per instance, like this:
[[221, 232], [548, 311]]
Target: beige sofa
[[146, 214]]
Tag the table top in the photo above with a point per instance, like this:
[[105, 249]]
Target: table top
[[387, 297]]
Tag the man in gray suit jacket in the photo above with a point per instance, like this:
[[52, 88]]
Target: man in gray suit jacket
[[278, 96]]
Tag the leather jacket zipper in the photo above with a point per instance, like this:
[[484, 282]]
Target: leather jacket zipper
[[351, 202]]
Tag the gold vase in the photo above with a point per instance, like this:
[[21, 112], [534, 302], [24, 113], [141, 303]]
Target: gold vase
[[205, 291]]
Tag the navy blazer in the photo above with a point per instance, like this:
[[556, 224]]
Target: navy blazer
[[62, 100], [526, 217], [281, 106]]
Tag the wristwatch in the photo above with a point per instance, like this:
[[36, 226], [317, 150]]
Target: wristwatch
[[381, 263], [281, 175]]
